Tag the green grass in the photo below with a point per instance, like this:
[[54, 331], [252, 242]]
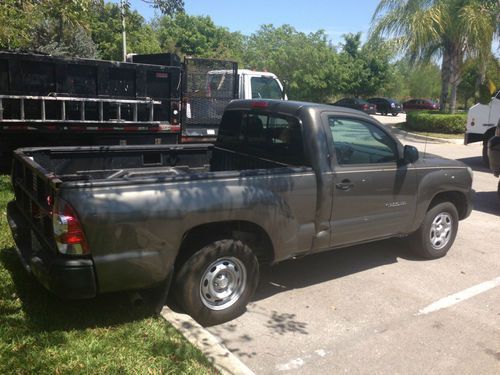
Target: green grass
[[42, 334], [429, 134]]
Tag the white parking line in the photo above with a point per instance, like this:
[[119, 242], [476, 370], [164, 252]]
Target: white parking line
[[460, 296]]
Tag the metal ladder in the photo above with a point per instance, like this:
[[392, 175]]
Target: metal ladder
[[148, 102]]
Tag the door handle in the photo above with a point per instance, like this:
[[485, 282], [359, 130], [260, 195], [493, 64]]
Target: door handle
[[345, 185]]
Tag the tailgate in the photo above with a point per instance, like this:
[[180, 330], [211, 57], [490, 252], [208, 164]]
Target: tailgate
[[34, 190]]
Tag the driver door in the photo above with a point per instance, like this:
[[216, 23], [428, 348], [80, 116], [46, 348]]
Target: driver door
[[374, 196]]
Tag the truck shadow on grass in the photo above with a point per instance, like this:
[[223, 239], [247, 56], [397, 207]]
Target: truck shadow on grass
[[26, 302], [330, 265]]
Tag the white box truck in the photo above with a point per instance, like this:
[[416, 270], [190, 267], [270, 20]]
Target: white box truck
[[482, 120]]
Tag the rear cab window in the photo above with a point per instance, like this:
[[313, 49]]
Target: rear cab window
[[270, 136]]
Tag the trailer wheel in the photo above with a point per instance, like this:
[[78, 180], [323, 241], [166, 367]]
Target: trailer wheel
[[437, 232], [216, 283]]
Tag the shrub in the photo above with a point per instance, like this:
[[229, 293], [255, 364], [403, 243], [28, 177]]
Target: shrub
[[436, 122]]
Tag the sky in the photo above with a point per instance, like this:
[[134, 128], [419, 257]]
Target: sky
[[334, 17]]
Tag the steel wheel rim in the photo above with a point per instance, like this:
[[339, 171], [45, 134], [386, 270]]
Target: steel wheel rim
[[223, 283], [441, 229]]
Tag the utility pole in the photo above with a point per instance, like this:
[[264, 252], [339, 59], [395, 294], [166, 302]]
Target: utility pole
[[124, 35]]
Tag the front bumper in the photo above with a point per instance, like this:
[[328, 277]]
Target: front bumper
[[494, 154], [66, 276]]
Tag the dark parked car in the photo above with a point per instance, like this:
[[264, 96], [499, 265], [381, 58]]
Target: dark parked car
[[386, 106], [359, 104], [414, 104]]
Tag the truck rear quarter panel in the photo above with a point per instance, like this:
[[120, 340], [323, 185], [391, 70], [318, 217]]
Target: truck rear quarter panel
[[135, 231]]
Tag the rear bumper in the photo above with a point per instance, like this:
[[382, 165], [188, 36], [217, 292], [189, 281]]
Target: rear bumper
[[494, 154], [67, 277]]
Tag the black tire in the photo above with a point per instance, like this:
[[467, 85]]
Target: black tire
[[229, 262], [486, 159], [424, 241], [498, 189], [394, 114]]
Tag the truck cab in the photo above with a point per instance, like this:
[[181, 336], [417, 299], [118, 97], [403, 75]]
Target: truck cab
[[252, 84]]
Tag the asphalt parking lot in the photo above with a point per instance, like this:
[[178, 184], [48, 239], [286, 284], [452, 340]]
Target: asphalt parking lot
[[376, 308]]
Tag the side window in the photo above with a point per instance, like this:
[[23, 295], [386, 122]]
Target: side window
[[358, 142]]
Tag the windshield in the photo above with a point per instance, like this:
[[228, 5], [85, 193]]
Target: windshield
[[265, 88]]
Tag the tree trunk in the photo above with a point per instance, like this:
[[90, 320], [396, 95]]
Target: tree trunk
[[453, 97], [457, 57], [445, 79]]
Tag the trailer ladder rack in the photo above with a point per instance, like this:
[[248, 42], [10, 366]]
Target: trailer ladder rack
[[147, 102]]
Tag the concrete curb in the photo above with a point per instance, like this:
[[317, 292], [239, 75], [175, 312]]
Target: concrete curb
[[222, 359], [404, 134]]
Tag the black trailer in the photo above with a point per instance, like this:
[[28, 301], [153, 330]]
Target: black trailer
[[153, 99]]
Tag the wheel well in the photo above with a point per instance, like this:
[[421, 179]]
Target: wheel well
[[456, 198], [249, 233]]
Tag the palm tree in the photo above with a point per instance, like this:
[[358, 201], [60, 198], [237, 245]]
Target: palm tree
[[450, 29]]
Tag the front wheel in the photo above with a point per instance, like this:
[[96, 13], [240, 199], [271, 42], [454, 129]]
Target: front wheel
[[216, 283], [437, 232]]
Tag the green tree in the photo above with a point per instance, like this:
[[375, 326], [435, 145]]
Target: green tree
[[451, 29], [473, 77], [66, 14], [16, 20], [304, 62], [198, 36], [51, 26], [365, 68], [167, 7], [76, 41], [106, 31]]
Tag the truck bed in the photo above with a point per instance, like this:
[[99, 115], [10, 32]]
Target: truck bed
[[117, 163]]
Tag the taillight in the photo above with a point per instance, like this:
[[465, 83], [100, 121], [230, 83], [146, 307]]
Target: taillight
[[68, 232], [260, 104], [365, 106]]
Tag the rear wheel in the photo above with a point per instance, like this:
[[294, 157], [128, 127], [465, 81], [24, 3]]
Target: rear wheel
[[216, 283], [437, 232], [486, 159]]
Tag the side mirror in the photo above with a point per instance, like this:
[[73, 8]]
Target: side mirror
[[410, 154]]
